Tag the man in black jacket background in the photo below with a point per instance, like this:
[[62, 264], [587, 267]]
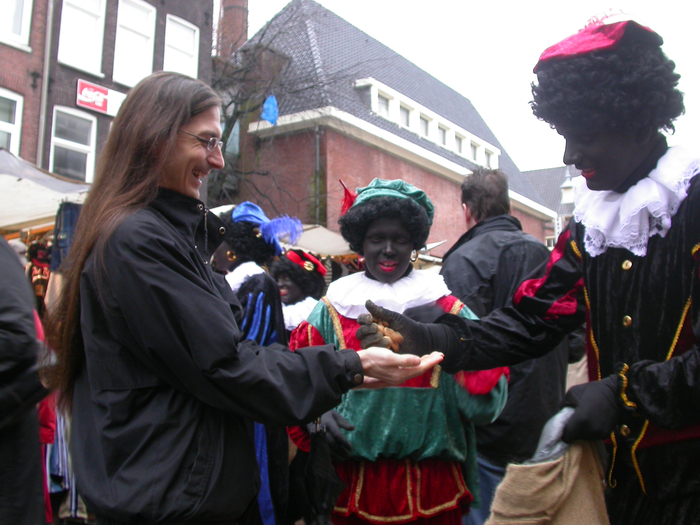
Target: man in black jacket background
[[483, 269]]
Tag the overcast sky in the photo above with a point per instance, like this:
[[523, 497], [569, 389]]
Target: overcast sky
[[486, 52]]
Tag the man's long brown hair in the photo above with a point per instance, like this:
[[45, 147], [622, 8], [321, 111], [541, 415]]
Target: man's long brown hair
[[140, 142]]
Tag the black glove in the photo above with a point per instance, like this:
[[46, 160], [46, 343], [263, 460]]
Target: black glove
[[418, 338], [331, 423], [424, 314], [598, 409]]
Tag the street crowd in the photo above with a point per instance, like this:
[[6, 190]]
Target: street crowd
[[201, 373]]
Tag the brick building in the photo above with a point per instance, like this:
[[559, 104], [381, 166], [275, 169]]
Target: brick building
[[57, 101], [352, 109]]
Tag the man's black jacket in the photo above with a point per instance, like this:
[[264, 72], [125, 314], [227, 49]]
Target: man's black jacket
[[483, 269]]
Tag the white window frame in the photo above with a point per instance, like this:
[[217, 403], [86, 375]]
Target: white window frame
[[383, 111], [443, 133], [93, 64], [424, 132], [15, 130], [21, 40], [124, 70], [67, 144], [459, 144], [402, 108], [169, 20]]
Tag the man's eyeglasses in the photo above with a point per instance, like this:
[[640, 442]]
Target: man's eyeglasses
[[209, 143]]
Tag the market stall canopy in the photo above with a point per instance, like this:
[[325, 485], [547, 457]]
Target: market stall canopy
[[29, 196], [322, 241]]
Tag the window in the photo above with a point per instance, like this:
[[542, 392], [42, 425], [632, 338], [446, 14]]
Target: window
[[424, 123], [82, 29], [133, 50], [405, 116], [10, 120], [16, 22], [442, 135], [73, 144], [458, 143], [475, 151], [550, 241], [489, 156], [383, 106], [181, 47]]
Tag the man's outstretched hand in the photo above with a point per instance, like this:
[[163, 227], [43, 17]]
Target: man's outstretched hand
[[387, 329], [383, 367]]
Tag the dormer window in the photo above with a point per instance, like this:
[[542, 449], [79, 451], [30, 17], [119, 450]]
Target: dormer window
[[383, 106]]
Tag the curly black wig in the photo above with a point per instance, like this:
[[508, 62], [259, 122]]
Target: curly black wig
[[244, 239], [630, 88], [354, 224], [311, 283]]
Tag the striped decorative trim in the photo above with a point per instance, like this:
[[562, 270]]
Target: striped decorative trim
[[634, 456], [336, 323], [590, 329], [678, 330], [456, 307], [611, 482], [574, 247], [623, 391]]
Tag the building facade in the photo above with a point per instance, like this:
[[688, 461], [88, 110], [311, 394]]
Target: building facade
[[351, 109], [68, 64]]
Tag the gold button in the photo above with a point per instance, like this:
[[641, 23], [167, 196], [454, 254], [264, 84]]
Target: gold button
[[626, 321], [625, 430], [627, 265]]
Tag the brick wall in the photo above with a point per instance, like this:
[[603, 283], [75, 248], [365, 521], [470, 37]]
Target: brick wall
[[281, 171], [21, 72]]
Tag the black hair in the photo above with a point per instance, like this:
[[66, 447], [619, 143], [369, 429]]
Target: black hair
[[311, 283], [485, 192], [354, 224], [245, 240], [630, 88]]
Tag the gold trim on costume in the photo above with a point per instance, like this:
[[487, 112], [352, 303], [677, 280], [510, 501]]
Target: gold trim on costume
[[385, 519], [574, 247], [456, 307], [593, 343], [336, 323], [634, 456], [444, 506], [695, 249], [623, 393], [611, 482]]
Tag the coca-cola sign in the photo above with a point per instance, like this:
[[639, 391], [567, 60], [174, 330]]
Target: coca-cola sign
[[98, 98]]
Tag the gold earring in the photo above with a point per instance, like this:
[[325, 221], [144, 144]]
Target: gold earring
[[231, 256], [414, 256]]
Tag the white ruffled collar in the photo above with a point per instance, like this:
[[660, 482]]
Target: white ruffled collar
[[295, 313], [420, 287], [628, 220], [241, 272]]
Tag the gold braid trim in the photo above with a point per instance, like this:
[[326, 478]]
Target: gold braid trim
[[309, 334], [695, 249], [634, 456], [336, 323], [444, 506], [456, 307], [646, 422], [623, 393], [574, 247], [611, 482], [385, 519], [678, 330], [593, 343]]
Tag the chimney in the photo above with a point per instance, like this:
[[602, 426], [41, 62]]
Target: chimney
[[233, 27]]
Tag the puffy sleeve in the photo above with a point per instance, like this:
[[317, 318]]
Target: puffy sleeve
[[543, 311]]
